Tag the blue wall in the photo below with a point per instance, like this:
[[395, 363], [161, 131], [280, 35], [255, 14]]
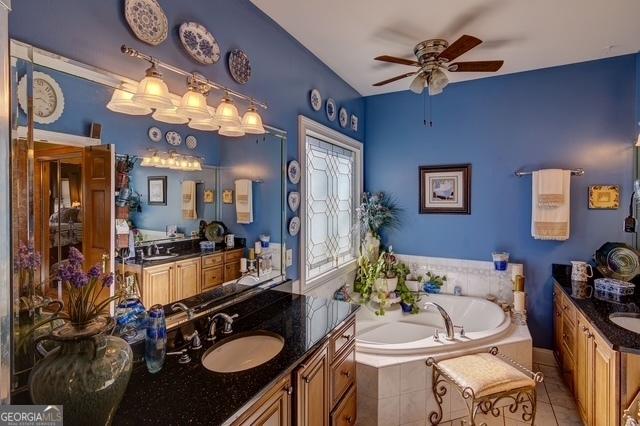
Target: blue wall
[[578, 115], [283, 74]]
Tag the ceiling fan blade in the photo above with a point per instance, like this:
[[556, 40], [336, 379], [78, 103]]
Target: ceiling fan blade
[[396, 78], [476, 66], [458, 47], [395, 60]]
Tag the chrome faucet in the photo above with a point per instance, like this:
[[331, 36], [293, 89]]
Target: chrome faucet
[[177, 307], [228, 320], [153, 249], [447, 319]]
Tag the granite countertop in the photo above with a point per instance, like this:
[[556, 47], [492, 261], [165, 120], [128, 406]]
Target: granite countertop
[[188, 393], [597, 311], [180, 255]]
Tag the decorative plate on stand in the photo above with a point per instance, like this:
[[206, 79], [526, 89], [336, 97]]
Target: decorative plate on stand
[[191, 142], [239, 66], [173, 138], [155, 134], [330, 108], [294, 226], [316, 100], [344, 117], [199, 43], [293, 200], [293, 171], [147, 20]]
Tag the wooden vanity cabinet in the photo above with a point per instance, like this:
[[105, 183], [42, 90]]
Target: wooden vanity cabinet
[[212, 271], [187, 282], [273, 409], [312, 390], [157, 282]]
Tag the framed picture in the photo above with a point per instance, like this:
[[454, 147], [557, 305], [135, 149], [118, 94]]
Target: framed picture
[[445, 189], [157, 190], [604, 197], [227, 196], [209, 195]]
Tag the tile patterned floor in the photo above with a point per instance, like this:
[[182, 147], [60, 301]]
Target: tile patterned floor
[[556, 406]]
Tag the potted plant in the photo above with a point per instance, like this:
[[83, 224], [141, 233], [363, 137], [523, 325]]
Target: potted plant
[[86, 349], [376, 211], [434, 282], [388, 280], [414, 283], [367, 277], [409, 298]]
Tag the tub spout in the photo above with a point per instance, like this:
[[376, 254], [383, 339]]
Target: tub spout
[[445, 316]]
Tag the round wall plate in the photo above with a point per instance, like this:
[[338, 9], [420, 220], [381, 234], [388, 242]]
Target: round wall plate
[[344, 117], [294, 226], [173, 138], [191, 142], [239, 66], [330, 108], [316, 100], [147, 20], [199, 43], [293, 199], [293, 172], [155, 134]]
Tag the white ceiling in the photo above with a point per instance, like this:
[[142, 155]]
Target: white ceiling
[[348, 34]]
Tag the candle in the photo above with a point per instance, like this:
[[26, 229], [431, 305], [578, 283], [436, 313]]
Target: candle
[[243, 265], [517, 269], [258, 247], [252, 254], [518, 301]]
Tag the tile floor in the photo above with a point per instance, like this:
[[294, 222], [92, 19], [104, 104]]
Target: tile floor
[[556, 406]]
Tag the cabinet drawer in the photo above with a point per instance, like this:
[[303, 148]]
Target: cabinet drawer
[[341, 338], [343, 374], [345, 414], [212, 260], [212, 277], [568, 310], [569, 336], [233, 255], [231, 271]]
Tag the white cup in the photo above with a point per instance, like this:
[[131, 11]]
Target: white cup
[[581, 271]]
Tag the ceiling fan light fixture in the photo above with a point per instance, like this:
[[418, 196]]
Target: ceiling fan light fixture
[[418, 83], [437, 82]]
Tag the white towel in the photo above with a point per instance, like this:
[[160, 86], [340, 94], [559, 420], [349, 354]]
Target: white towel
[[550, 187], [189, 200], [244, 201], [551, 222]]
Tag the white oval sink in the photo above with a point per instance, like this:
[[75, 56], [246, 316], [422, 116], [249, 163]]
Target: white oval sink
[[626, 320], [242, 352]]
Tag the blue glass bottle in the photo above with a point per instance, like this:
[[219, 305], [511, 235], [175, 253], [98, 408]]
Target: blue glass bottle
[[156, 340]]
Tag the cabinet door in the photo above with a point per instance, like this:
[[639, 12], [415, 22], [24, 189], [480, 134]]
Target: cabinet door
[[156, 285], [345, 413], [605, 383], [312, 390], [232, 271], [557, 325], [584, 372], [274, 409], [187, 282]]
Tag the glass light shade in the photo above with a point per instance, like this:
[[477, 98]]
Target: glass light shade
[[121, 101], [169, 115], [227, 114], [194, 105], [417, 85], [207, 125], [197, 165], [437, 81], [231, 130], [153, 93], [252, 122], [146, 162]]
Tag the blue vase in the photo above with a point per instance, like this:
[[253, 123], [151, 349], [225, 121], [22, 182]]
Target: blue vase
[[431, 288], [406, 308]]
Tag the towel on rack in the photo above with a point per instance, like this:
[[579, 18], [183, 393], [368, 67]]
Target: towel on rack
[[550, 187], [551, 222], [189, 200], [244, 201]]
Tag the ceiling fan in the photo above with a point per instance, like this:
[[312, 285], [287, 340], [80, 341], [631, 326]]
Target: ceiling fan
[[434, 57]]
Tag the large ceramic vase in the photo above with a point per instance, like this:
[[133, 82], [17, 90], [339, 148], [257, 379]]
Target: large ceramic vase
[[371, 247], [88, 373]]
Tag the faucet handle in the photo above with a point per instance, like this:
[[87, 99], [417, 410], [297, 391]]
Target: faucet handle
[[436, 335], [184, 356], [461, 327], [227, 324]]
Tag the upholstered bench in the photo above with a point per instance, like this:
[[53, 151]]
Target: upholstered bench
[[485, 380]]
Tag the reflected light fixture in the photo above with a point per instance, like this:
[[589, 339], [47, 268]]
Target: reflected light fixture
[[152, 91], [122, 102], [227, 113], [169, 115], [252, 122], [208, 124], [231, 130], [638, 141], [194, 103]]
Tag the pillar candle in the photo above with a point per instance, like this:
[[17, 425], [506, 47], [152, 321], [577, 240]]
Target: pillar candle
[[517, 269], [518, 301], [243, 265]]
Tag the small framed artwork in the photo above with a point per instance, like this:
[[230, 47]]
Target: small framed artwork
[[209, 195], [157, 190], [227, 196], [604, 197], [445, 189]]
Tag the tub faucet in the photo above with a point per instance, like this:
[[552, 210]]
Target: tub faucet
[[447, 319]]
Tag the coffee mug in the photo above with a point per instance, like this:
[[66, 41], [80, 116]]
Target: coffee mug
[[581, 271]]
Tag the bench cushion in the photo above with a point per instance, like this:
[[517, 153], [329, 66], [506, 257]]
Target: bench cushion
[[485, 374]]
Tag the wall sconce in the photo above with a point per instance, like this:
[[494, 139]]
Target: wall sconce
[[152, 91], [252, 122], [122, 102]]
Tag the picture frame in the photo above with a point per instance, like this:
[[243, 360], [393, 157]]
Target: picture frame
[[157, 190], [604, 197], [445, 189], [227, 196], [209, 196]]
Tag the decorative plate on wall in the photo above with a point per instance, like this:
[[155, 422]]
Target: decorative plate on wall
[[293, 171], [239, 66], [294, 226], [199, 43], [354, 122], [191, 142], [330, 108], [155, 134], [147, 20], [294, 200], [344, 117], [173, 138], [316, 100]]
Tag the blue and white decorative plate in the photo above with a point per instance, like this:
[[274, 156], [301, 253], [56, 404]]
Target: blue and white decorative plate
[[293, 172], [316, 100], [147, 20], [354, 122], [155, 134], [173, 138], [344, 117], [239, 66], [294, 226], [330, 109], [199, 43], [191, 142], [293, 199]]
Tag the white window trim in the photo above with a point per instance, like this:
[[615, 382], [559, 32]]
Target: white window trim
[[306, 126]]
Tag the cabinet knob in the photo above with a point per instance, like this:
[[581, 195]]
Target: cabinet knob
[[557, 313], [307, 379], [347, 373], [348, 419], [565, 307], [289, 390]]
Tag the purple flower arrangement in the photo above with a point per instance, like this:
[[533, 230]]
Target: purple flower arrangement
[[27, 262]]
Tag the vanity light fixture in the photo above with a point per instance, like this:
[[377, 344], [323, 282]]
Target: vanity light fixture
[[227, 113], [169, 115], [172, 160], [152, 91], [231, 130], [208, 124], [122, 102], [194, 103], [252, 122]]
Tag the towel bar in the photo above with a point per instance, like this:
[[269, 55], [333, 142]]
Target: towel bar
[[574, 172]]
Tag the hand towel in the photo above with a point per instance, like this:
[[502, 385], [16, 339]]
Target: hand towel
[[551, 223], [189, 200], [550, 187], [244, 201]]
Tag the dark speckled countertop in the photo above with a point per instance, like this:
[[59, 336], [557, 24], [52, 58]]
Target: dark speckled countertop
[[597, 311], [188, 393]]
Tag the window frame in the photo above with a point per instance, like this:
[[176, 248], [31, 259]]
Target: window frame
[[308, 127]]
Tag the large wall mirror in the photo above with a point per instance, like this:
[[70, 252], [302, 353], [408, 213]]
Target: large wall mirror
[[122, 188]]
